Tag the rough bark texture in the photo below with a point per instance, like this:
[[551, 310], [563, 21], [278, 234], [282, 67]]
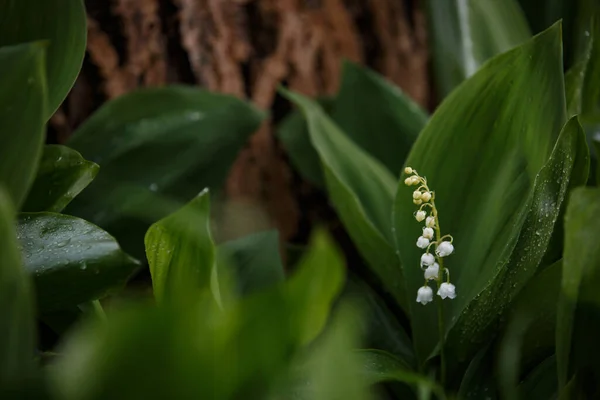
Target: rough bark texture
[[247, 48]]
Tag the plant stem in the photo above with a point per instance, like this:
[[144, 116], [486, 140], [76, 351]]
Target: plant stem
[[440, 303]]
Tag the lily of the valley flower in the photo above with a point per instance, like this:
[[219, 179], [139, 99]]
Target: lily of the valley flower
[[447, 290], [444, 249], [424, 295], [429, 221], [428, 233], [420, 215], [432, 272], [427, 259], [422, 242]]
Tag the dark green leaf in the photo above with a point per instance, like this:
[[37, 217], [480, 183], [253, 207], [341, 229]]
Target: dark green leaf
[[578, 316], [541, 382], [154, 144], [293, 133], [465, 33], [379, 366], [377, 116], [62, 175], [17, 329], [22, 105], [361, 190], [63, 24], [478, 381], [71, 260], [482, 202], [255, 260], [181, 252], [381, 328]]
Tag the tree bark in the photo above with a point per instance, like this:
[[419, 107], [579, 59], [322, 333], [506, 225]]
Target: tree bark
[[247, 48]]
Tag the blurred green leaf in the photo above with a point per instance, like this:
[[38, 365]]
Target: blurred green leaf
[[62, 175], [255, 260], [465, 33], [22, 105], [481, 152], [63, 24], [17, 329], [381, 328], [379, 366], [377, 116], [578, 318], [541, 382], [153, 144], [70, 260], [361, 190], [293, 133], [181, 252], [478, 381]]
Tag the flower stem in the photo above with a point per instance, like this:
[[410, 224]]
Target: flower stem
[[440, 303]]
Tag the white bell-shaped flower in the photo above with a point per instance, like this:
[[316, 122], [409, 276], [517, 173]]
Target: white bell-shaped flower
[[427, 259], [424, 295], [416, 194], [432, 271], [420, 215], [447, 290], [422, 242], [408, 170], [408, 181], [428, 233], [415, 180], [444, 249], [426, 196], [430, 222]]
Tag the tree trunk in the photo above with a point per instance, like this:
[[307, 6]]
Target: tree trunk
[[247, 48]]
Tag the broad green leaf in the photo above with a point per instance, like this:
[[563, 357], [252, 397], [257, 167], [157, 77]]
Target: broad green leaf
[[478, 321], [481, 201], [70, 260], [181, 252], [541, 382], [22, 113], [379, 366], [381, 329], [465, 33], [361, 190], [63, 24], [164, 142], [17, 328], [377, 116], [315, 285], [596, 147], [579, 305], [293, 133], [62, 175], [478, 381], [255, 260]]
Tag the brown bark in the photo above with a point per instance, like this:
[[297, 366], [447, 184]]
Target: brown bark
[[247, 48]]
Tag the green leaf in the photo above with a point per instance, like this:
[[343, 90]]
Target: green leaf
[[63, 24], [256, 261], [181, 252], [62, 175], [154, 144], [17, 329], [579, 304], [379, 366], [483, 203], [377, 116], [293, 133], [465, 33], [381, 328], [71, 260], [478, 381], [361, 190], [22, 105], [541, 382]]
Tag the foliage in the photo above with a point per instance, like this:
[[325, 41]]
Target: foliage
[[509, 152]]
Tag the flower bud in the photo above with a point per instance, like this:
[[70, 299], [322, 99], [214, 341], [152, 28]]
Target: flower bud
[[432, 271], [417, 195], [418, 202], [427, 259], [414, 180], [408, 181], [428, 233], [430, 222], [408, 170], [422, 242], [426, 196], [424, 295], [447, 290], [444, 249], [420, 215]]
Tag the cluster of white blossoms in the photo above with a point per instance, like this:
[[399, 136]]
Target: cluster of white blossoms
[[432, 265]]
